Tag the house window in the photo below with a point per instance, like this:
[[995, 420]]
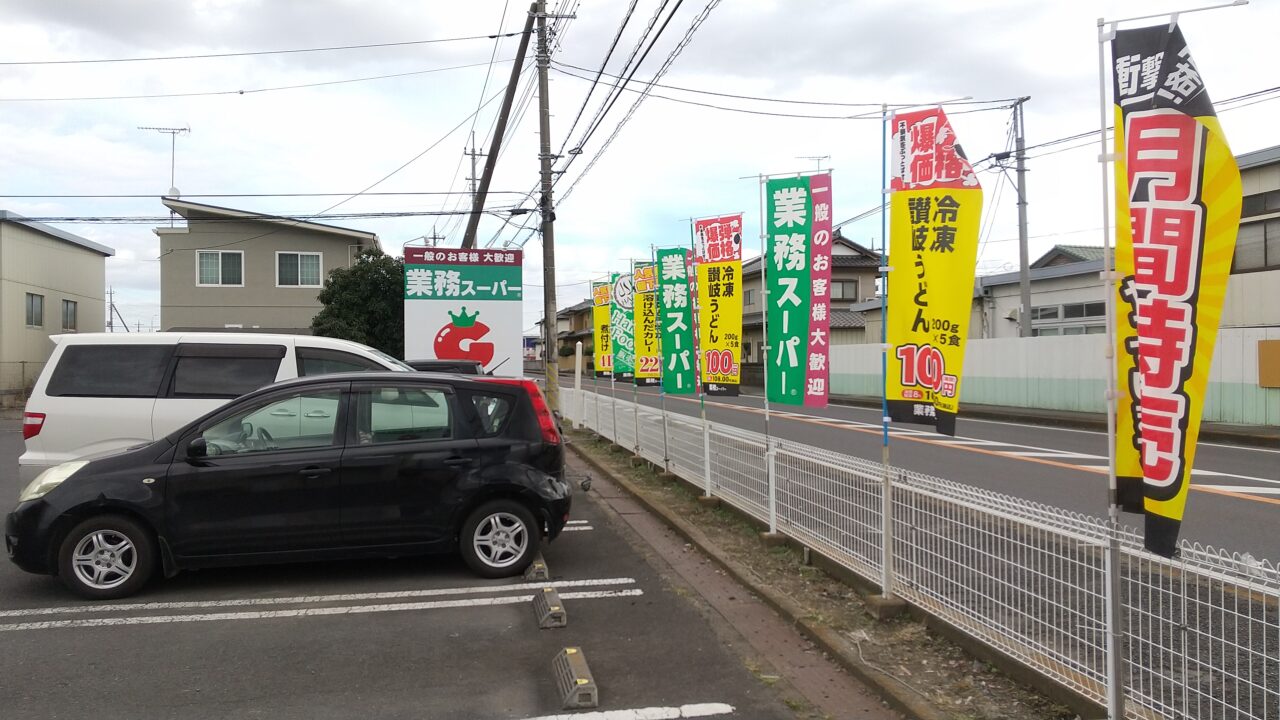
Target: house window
[[844, 290], [220, 268], [1047, 312], [746, 349], [69, 315], [298, 269], [749, 296], [1257, 246], [1044, 332], [1073, 311], [35, 310]]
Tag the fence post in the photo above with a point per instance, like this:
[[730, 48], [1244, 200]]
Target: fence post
[[577, 382], [771, 461], [666, 445], [706, 453]]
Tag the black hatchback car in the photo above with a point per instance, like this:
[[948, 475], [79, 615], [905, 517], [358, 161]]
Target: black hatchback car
[[350, 465]]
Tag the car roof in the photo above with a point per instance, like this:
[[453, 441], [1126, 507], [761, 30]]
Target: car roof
[[246, 338], [399, 378]]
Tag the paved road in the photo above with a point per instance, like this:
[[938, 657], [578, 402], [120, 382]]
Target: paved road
[[1235, 494], [409, 638]]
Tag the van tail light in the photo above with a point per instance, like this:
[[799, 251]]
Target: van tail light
[[32, 424], [546, 421]]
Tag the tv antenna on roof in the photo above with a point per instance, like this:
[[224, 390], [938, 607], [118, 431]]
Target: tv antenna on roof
[[817, 158], [173, 134]]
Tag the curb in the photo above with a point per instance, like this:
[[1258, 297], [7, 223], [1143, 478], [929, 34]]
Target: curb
[[897, 695]]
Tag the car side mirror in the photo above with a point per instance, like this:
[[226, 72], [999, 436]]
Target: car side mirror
[[197, 448]]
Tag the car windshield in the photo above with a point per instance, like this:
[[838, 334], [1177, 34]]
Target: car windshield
[[397, 365]]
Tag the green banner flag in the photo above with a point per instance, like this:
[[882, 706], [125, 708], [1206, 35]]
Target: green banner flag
[[789, 226], [623, 326], [675, 322]]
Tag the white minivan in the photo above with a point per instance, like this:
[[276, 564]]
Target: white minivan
[[101, 392]]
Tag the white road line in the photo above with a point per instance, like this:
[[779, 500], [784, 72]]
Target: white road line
[[578, 522], [962, 441], [1249, 489], [309, 612], [574, 528], [310, 599], [698, 710]]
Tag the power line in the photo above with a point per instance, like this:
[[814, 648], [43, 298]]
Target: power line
[[616, 92], [603, 64], [150, 219], [253, 91], [666, 65], [260, 195], [255, 53], [790, 102]]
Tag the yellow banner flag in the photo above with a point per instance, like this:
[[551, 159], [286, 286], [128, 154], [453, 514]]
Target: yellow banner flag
[[601, 301], [1178, 199], [934, 211]]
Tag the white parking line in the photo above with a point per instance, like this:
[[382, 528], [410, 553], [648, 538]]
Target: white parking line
[[309, 612], [311, 599], [697, 710], [577, 522], [573, 528]]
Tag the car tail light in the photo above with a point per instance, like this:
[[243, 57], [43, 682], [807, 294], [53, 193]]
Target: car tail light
[[32, 424], [546, 421]]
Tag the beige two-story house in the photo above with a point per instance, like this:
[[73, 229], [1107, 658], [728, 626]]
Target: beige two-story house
[[243, 271], [51, 282]]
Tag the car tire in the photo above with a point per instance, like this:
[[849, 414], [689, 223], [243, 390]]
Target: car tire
[[499, 539], [106, 557]]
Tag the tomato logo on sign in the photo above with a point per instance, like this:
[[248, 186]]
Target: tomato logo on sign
[[459, 340]]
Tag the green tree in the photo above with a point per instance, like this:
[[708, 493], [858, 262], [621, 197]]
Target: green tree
[[365, 303]]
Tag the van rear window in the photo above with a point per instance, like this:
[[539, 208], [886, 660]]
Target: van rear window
[[109, 371]]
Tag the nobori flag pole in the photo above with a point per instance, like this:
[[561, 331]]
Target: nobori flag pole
[[635, 361], [886, 487], [769, 455], [662, 386], [700, 380], [1115, 603]]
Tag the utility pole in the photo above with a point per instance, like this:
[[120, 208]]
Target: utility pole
[[548, 215], [490, 160], [111, 308], [473, 155], [1024, 271]]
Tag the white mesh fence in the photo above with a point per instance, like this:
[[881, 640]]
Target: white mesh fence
[[1202, 631]]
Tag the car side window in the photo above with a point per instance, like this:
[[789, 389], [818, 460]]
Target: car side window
[[293, 422], [319, 361], [204, 377], [389, 414], [493, 410]]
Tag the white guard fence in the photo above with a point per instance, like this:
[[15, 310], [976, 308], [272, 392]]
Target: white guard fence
[[1202, 631]]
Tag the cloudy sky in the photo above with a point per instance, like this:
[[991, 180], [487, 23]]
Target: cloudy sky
[[305, 132]]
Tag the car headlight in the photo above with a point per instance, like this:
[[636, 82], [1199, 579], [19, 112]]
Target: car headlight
[[50, 479]]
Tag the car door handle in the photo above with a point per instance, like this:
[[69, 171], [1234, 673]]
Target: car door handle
[[284, 413], [317, 414], [315, 471], [459, 461]]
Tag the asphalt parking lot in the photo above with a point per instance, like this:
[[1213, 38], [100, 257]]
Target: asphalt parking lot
[[407, 638]]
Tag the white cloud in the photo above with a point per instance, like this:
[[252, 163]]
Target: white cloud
[[671, 162]]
